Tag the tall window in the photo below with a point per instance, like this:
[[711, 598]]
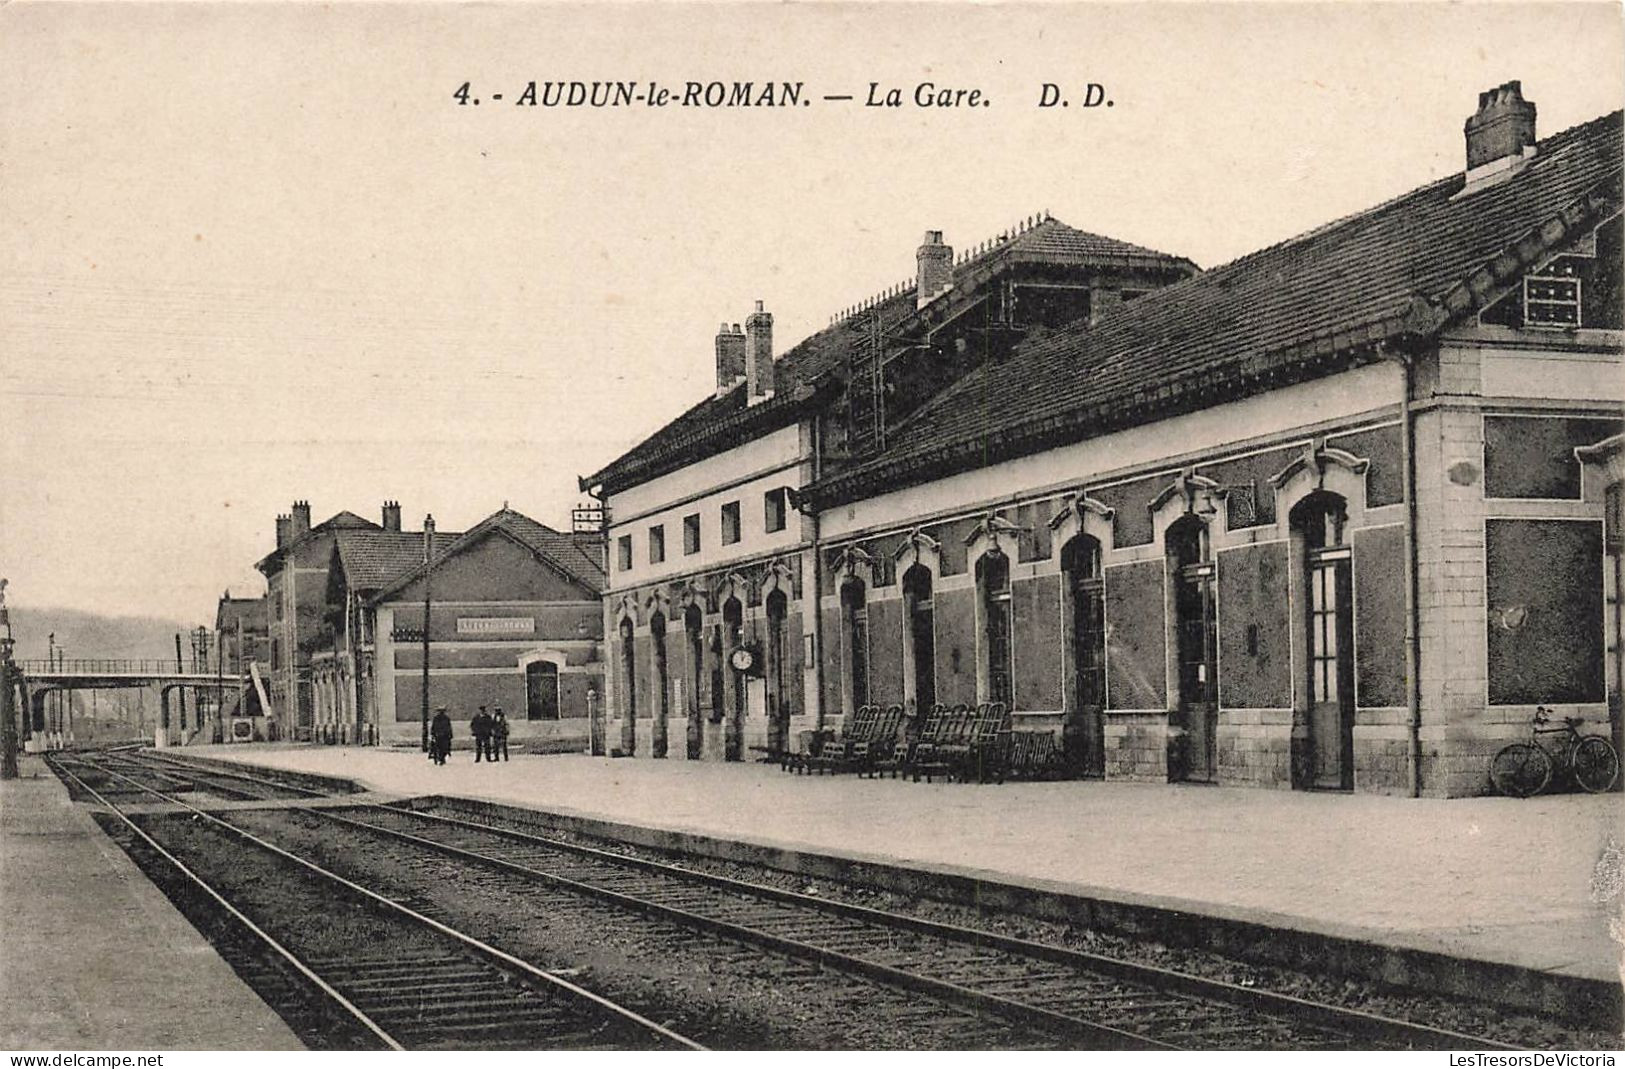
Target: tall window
[[778, 687], [657, 543], [921, 635], [1080, 562], [1322, 519], [629, 672], [662, 680], [730, 523], [1188, 543], [541, 691], [773, 510], [855, 625], [623, 553], [733, 625], [694, 631], [691, 534], [993, 584]]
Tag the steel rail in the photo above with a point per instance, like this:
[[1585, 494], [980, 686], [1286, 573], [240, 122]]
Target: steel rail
[[197, 776], [174, 763], [1360, 1023], [1066, 1024], [525, 968], [259, 933]]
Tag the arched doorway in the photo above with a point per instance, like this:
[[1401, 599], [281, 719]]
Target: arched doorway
[[541, 690], [922, 638], [1190, 567], [1320, 520], [778, 687], [629, 689], [694, 633], [662, 684], [733, 636], [997, 655], [1085, 589], [855, 643]]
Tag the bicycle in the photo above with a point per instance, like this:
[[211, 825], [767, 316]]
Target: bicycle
[[1525, 768]]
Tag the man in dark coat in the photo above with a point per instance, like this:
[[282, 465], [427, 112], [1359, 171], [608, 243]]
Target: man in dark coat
[[440, 736], [499, 735], [480, 728]]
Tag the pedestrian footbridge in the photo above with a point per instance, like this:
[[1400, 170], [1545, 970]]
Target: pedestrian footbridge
[[36, 679]]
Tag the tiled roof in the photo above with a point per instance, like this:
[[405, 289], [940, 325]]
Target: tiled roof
[[375, 558], [251, 611], [1310, 305], [719, 423], [560, 550], [339, 521], [344, 521]]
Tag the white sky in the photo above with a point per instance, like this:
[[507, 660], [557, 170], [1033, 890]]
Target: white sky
[[255, 253]]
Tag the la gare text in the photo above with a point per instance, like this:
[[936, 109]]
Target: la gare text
[[720, 94]]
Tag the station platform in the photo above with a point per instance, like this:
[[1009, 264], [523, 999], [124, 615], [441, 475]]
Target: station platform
[[92, 955], [1523, 884]]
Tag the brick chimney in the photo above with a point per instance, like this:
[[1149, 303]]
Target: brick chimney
[[936, 268], [284, 527], [759, 354], [301, 519], [392, 515], [1500, 135], [730, 357]]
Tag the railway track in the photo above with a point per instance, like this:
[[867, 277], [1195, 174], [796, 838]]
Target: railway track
[[420, 984], [1045, 992], [1084, 996]]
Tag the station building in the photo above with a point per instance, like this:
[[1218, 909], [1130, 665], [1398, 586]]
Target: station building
[[1337, 515], [712, 557], [515, 622]]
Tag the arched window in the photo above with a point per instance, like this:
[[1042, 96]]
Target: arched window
[[541, 691], [993, 589], [918, 605], [855, 641], [662, 681], [778, 687]]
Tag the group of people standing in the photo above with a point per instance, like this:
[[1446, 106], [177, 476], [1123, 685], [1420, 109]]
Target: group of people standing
[[490, 735]]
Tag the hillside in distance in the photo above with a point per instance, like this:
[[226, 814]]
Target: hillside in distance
[[88, 635]]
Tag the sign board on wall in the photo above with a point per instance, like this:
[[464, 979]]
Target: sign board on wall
[[496, 625]]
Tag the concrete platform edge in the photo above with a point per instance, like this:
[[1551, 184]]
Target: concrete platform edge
[[1260, 938]]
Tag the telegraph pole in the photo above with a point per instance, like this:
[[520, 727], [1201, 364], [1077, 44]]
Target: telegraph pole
[[428, 602], [8, 695], [180, 692]]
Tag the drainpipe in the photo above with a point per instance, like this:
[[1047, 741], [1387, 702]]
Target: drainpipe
[[1413, 685], [817, 578]]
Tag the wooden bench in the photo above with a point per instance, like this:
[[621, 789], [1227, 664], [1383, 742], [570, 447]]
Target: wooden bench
[[1034, 755], [836, 755], [809, 744]]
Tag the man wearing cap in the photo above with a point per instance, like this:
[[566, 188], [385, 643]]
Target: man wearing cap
[[499, 735], [480, 728]]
